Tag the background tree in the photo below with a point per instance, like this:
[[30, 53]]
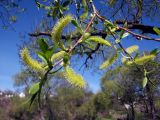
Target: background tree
[[129, 82], [9, 12]]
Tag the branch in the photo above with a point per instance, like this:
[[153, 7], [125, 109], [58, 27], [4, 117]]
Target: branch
[[136, 25], [139, 36], [98, 33], [36, 34]]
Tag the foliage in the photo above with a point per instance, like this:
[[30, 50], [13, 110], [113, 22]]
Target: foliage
[[101, 102], [133, 88]]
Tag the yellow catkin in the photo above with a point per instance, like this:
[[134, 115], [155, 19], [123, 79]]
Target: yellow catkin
[[124, 60], [33, 64], [73, 78], [132, 49], [99, 40], [58, 28], [141, 60], [109, 62], [144, 59], [57, 55]]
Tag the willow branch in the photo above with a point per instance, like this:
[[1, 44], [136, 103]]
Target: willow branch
[[139, 36], [134, 25]]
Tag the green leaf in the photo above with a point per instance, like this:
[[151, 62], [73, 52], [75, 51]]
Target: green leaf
[[132, 49], [125, 35], [43, 45], [31, 100], [99, 40], [107, 23], [34, 88], [90, 45], [75, 23], [42, 56], [109, 62], [137, 55], [156, 30], [85, 14], [117, 40], [66, 59], [154, 52], [145, 81], [48, 54]]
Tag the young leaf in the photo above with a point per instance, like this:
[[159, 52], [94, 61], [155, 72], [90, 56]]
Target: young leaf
[[125, 35], [99, 40], [73, 78], [42, 56], [43, 45], [107, 23], [155, 51], [35, 65], [85, 14], [58, 28], [34, 88], [49, 53], [66, 59], [89, 44], [132, 49], [145, 81], [109, 62], [75, 23], [31, 100], [156, 30]]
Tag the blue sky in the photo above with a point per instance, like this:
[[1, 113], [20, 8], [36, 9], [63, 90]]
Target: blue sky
[[9, 60]]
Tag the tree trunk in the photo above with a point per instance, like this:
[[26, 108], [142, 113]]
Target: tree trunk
[[150, 101]]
